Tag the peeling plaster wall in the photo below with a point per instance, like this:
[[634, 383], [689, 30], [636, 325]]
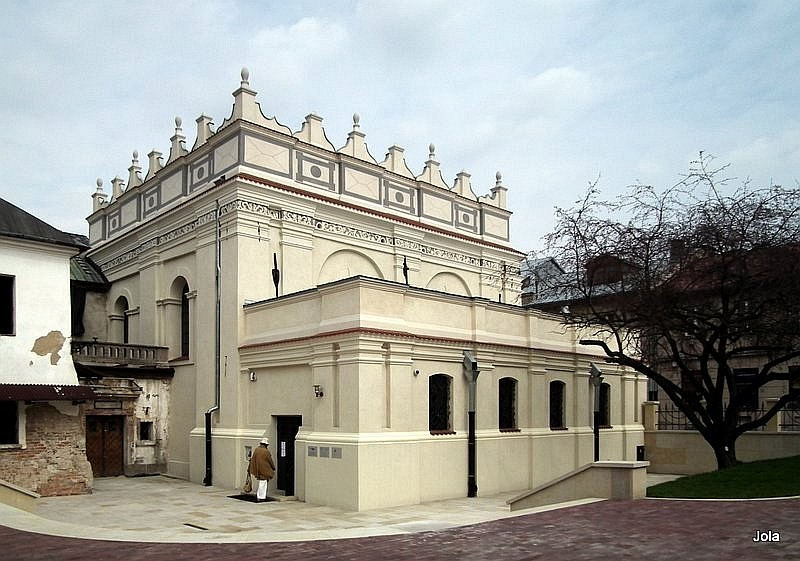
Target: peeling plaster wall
[[39, 350]]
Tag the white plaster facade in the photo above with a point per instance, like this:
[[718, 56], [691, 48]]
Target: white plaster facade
[[42, 312], [251, 195], [42, 448]]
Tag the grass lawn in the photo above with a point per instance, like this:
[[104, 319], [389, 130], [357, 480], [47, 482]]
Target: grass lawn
[[768, 478]]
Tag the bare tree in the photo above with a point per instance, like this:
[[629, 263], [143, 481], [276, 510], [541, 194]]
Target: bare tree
[[686, 285]]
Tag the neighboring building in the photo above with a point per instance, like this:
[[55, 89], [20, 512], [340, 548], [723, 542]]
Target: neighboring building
[[326, 300], [42, 437], [544, 289]]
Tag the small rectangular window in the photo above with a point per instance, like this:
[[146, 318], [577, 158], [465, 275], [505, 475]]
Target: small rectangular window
[[146, 430], [9, 422], [6, 305]]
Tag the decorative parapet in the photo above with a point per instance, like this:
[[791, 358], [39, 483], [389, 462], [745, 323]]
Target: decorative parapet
[[251, 144], [117, 353]]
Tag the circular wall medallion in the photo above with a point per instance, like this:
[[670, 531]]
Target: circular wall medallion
[[398, 196], [465, 218], [316, 172]]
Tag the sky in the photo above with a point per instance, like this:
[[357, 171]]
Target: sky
[[554, 94]]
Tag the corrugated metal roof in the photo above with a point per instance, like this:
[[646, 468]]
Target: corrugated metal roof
[[83, 270], [44, 392], [16, 223]]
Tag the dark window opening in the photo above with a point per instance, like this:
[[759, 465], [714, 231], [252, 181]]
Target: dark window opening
[[439, 403], [9, 425], [557, 405], [605, 405], [746, 390], [185, 321], [6, 305], [145, 430], [691, 382], [126, 325], [507, 404], [794, 386]]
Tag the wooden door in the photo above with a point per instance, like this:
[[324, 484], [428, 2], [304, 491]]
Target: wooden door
[[105, 444]]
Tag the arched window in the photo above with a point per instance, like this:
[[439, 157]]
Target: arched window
[[439, 390], [178, 332], [185, 321], [557, 393], [605, 405], [507, 400], [121, 314]]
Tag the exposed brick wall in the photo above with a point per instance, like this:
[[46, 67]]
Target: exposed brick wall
[[54, 460]]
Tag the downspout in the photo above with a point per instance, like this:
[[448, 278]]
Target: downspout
[[471, 372], [217, 343]]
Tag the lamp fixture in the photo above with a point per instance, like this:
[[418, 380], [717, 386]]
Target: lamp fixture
[[318, 390], [253, 376]]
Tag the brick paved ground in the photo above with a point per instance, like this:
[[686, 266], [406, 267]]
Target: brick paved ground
[[646, 529]]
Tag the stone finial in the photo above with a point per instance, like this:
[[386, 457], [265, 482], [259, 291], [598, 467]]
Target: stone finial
[[463, 186], [246, 107], [204, 131], [356, 146], [432, 174], [117, 188], [99, 197], [396, 162], [314, 133], [155, 163], [499, 191], [178, 140], [135, 171], [498, 196]]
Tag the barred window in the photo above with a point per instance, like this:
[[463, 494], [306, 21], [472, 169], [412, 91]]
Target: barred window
[[439, 390], [507, 399]]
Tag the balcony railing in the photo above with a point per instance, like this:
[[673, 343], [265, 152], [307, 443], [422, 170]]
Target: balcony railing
[[118, 353]]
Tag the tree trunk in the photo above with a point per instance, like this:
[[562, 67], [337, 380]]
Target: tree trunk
[[725, 453]]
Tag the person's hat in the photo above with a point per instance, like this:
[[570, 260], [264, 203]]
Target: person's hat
[[265, 440]]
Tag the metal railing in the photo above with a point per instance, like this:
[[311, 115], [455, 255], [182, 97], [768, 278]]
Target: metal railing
[[118, 353], [669, 417]]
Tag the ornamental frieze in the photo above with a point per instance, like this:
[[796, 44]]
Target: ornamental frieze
[[306, 220]]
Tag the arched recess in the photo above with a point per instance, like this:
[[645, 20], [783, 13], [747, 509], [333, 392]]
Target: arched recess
[[120, 320], [450, 283], [347, 263], [178, 316]]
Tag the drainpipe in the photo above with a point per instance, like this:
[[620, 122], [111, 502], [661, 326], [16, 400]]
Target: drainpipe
[[217, 344], [471, 372]]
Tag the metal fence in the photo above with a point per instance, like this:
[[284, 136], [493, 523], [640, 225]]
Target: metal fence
[[671, 418]]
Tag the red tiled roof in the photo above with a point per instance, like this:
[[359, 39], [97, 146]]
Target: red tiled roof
[[44, 392]]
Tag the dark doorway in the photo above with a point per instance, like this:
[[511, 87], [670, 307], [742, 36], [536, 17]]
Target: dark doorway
[[105, 444], [287, 431]]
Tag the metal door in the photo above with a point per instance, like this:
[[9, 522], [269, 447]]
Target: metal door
[[287, 431], [105, 444]]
